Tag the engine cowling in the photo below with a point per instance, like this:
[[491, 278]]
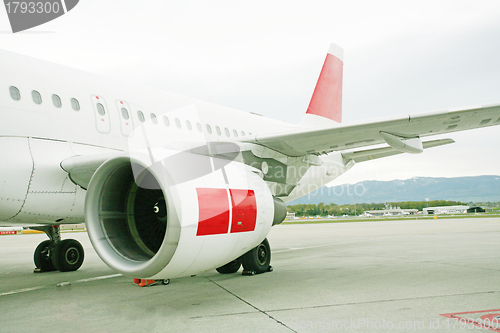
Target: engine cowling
[[159, 220]]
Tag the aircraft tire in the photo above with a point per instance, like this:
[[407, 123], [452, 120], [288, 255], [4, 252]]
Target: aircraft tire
[[229, 268], [257, 259], [42, 257], [68, 255]]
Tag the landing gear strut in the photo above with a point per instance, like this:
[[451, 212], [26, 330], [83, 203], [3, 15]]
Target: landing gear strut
[[56, 254]]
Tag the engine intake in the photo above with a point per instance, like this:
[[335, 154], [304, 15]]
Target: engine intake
[[133, 218]]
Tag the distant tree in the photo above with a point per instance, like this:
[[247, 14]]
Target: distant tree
[[334, 209]]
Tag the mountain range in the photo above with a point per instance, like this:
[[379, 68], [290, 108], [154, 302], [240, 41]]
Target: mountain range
[[465, 189]]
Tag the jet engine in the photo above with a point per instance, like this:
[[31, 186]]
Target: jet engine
[[178, 214]]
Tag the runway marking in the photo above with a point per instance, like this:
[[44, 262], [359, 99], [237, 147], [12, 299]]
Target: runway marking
[[60, 284], [21, 291], [488, 321], [98, 278]]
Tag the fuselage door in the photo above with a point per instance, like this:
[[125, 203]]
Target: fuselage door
[[101, 114], [124, 112], [16, 169]]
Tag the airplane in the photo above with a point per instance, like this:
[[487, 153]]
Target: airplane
[[169, 186]]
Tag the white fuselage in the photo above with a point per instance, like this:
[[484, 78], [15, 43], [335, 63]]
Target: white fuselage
[[36, 137]]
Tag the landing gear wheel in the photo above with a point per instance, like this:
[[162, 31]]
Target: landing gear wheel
[[42, 257], [230, 268], [257, 260], [68, 255]]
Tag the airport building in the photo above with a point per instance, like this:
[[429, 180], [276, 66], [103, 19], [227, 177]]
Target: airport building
[[390, 212], [446, 210]]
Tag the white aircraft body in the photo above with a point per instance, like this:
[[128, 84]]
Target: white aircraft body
[[169, 186]]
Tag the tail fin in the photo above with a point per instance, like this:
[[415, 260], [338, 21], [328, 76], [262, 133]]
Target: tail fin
[[326, 101]]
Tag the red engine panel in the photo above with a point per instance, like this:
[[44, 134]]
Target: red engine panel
[[244, 210], [214, 211]]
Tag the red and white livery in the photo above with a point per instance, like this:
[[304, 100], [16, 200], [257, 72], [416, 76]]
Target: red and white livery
[[169, 186]]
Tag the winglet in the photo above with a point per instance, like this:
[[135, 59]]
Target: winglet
[[336, 51], [326, 101]]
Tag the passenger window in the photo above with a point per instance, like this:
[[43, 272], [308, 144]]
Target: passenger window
[[218, 130], [249, 133], [188, 125], [177, 123], [242, 133], [198, 126], [140, 115], [235, 132], [209, 129], [226, 131], [154, 119], [125, 114], [166, 121], [37, 98], [100, 109], [56, 100], [14, 93], [75, 104]]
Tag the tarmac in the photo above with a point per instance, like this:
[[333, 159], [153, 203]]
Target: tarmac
[[384, 276]]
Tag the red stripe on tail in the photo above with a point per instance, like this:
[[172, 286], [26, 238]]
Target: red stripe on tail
[[327, 97]]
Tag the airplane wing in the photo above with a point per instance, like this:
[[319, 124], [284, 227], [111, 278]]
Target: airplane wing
[[401, 133], [372, 154]]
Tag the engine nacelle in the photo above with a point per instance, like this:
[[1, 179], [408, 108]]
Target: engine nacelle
[[155, 220]]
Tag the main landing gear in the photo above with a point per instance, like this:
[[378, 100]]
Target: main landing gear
[[255, 261], [56, 254]]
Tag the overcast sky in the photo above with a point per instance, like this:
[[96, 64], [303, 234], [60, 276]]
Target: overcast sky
[[265, 57]]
